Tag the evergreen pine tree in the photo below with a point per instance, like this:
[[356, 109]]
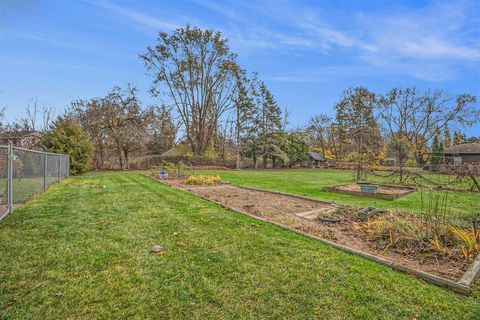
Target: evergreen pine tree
[[270, 127], [437, 154], [68, 137], [245, 114]]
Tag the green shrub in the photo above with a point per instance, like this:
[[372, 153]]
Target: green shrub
[[68, 137]]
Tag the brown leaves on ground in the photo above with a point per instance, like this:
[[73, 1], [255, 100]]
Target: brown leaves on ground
[[181, 244]]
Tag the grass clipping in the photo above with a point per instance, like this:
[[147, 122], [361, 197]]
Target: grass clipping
[[204, 180]]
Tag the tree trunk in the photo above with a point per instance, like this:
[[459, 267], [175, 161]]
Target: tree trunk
[[127, 164], [360, 160], [239, 165], [475, 182], [121, 158]]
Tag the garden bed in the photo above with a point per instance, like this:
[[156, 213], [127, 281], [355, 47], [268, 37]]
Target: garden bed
[[338, 224], [252, 201], [385, 192]]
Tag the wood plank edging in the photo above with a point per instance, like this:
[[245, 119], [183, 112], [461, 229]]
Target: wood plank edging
[[472, 273]]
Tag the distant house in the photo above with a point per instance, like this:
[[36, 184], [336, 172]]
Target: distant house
[[390, 162], [463, 153], [315, 160], [22, 139]]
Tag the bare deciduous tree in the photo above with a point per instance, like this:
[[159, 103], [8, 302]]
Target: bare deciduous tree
[[36, 118], [356, 118], [197, 70], [318, 132], [416, 117], [115, 119]]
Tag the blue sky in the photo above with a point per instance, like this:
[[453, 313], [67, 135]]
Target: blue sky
[[307, 52]]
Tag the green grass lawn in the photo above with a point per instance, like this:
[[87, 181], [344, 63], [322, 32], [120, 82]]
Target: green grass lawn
[[81, 250], [310, 183], [24, 188]]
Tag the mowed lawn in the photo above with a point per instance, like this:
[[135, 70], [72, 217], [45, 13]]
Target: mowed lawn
[[310, 183], [81, 250]]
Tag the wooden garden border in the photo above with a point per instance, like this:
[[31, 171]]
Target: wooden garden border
[[463, 286], [383, 196]]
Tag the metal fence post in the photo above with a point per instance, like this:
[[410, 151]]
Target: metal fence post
[[67, 164], [58, 168], [45, 167], [10, 177]]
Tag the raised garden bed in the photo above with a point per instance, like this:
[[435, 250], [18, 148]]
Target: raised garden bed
[[342, 227], [385, 192]]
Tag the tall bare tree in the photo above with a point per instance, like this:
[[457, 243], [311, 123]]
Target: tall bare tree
[[197, 70], [356, 118], [36, 118], [124, 121], [318, 131], [417, 117]]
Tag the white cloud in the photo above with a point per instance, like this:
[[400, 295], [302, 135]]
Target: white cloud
[[431, 72], [299, 29], [427, 43], [138, 17], [437, 32]]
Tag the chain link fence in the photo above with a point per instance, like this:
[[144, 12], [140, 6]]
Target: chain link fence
[[25, 173]]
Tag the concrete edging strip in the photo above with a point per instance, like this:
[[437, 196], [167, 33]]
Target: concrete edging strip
[[463, 286]]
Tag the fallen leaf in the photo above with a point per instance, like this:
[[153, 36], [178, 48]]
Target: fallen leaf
[[180, 244], [255, 225]]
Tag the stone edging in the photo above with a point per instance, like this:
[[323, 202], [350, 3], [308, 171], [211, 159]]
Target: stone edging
[[463, 286]]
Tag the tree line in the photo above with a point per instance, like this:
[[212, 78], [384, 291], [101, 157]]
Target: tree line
[[208, 105], [402, 122]]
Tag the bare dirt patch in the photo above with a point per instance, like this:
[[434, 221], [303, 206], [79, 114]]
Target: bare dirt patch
[[385, 192], [297, 213]]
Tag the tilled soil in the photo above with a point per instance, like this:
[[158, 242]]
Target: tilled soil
[[285, 209]]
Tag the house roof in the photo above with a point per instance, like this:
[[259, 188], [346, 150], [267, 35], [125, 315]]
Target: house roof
[[19, 134], [316, 156], [466, 148]]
